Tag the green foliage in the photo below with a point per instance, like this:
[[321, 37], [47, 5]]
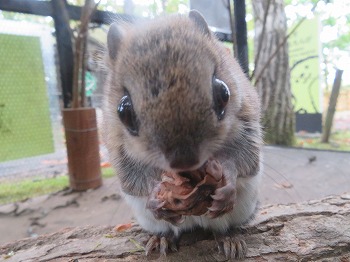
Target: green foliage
[[342, 42], [336, 42], [289, 2], [108, 172], [12, 191], [331, 21], [154, 8], [250, 30], [17, 191], [26, 17], [339, 141], [173, 5]]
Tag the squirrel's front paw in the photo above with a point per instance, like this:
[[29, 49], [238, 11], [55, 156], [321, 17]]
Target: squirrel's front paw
[[156, 206], [223, 201]]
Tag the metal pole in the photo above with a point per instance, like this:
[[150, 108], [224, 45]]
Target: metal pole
[[65, 52], [241, 35]]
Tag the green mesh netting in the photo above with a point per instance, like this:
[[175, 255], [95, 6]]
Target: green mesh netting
[[25, 126]]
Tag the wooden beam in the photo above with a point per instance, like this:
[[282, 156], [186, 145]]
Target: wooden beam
[[44, 8]]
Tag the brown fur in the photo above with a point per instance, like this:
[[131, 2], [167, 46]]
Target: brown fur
[[167, 66]]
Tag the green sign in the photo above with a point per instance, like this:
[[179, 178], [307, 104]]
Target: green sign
[[304, 62], [25, 126]]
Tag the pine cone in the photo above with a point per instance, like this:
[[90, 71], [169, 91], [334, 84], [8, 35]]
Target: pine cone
[[189, 193]]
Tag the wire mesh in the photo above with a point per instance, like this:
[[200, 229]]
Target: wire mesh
[[31, 134]]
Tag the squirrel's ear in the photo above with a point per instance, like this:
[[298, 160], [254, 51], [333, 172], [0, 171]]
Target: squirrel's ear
[[114, 39], [199, 21]]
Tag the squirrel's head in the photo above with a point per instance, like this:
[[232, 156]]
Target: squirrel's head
[[169, 100]]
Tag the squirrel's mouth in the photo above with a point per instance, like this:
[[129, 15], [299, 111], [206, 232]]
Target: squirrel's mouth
[[188, 171]]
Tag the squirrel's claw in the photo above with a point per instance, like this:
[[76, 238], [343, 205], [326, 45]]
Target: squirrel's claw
[[152, 243], [232, 248], [161, 243], [223, 201]]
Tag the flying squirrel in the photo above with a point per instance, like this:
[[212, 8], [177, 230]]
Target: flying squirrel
[[174, 99]]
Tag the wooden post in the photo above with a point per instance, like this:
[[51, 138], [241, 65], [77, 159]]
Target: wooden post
[[331, 106], [82, 148]]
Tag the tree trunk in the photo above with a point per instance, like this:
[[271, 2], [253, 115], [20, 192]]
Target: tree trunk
[[272, 75], [312, 231], [332, 106]]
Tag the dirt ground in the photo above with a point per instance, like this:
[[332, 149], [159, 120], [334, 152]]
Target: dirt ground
[[290, 175]]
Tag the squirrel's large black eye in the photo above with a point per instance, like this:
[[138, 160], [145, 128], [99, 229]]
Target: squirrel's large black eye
[[221, 96], [127, 115]]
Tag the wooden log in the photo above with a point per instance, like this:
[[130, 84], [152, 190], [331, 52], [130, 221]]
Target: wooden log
[[332, 106], [312, 231]]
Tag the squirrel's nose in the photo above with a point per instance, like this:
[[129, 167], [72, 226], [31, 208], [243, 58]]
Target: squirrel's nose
[[183, 159]]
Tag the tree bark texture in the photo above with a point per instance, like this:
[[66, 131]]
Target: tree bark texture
[[312, 231], [272, 75]]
